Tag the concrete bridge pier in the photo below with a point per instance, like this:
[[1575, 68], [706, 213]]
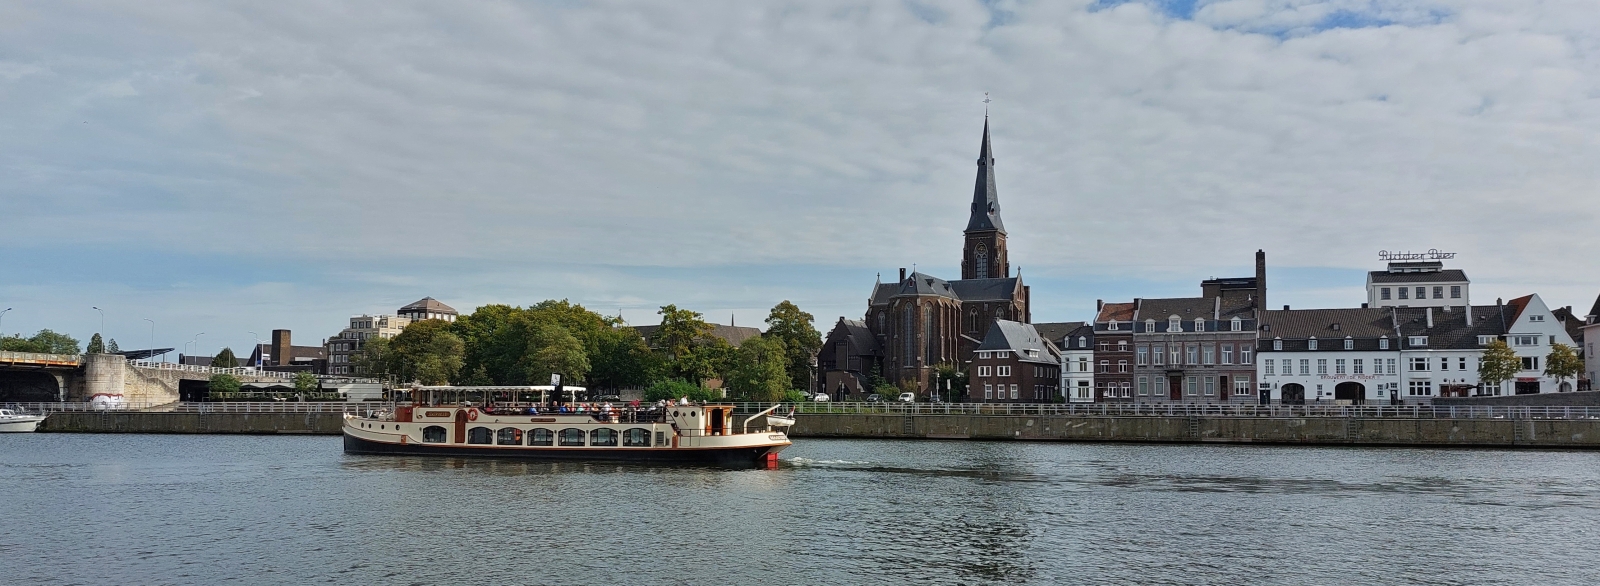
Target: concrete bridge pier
[[104, 375]]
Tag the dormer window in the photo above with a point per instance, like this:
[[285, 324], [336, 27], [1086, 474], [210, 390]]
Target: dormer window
[[1149, 325], [1199, 325], [1311, 344], [983, 355], [1349, 343], [1237, 325], [1277, 343], [1383, 343], [1174, 324], [1033, 353], [1418, 341], [1485, 340], [1083, 341]]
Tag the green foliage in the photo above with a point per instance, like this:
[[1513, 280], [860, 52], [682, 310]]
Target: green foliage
[[478, 378], [757, 370], [111, 347], [373, 358], [95, 345], [44, 342], [519, 346], [225, 359], [223, 383], [878, 385], [1562, 363], [795, 396], [1500, 364], [688, 349], [672, 390], [623, 360], [952, 376], [800, 338], [305, 382], [426, 352]]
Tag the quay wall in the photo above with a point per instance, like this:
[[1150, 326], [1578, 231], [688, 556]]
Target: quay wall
[[1373, 431], [325, 423], [1574, 399]]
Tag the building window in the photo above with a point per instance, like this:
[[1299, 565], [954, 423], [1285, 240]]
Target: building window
[[1305, 367], [1105, 366], [1142, 357], [980, 264], [1525, 340], [1383, 343], [1535, 318], [1419, 388], [1122, 366], [1463, 364], [1530, 363], [1211, 385], [1422, 292], [1244, 354], [1236, 325], [983, 355], [1013, 391], [1158, 355], [983, 371], [1455, 292], [1227, 353], [1270, 364], [988, 391], [1311, 344], [1112, 325], [1209, 354], [1349, 344], [1174, 324], [1438, 292], [1391, 366], [1356, 367], [1149, 326], [1194, 385], [1418, 341], [1144, 386], [1383, 293], [1002, 371], [1241, 385], [1083, 364], [1402, 291], [1444, 363], [1122, 345], [1419, 364], [1322, 366], [1083, 341], [1338, 366], [1277, 344], [1199, 325]]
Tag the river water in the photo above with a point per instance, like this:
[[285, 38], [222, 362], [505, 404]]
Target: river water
[[173, 509]]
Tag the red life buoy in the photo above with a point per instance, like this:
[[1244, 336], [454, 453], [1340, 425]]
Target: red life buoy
[[472, 415]]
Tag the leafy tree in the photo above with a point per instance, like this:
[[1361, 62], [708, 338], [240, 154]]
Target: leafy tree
[[1500, 364], [624, 360], [681, 339], [223, 383], [95, 345], [800, 338], [225, 359], [373, 358], [44, 342], [672, 390], [1562, 363], [516, 345], [553, 350], [953, 376], [876, 384], [305, 382], [795, 396], [757, 369], [111, 347], [478, 378], [426, 352]]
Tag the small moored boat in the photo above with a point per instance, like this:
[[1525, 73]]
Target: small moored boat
[[505, 426], [14, 421]]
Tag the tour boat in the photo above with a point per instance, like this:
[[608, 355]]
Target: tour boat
[[12, 421], [498, 427]]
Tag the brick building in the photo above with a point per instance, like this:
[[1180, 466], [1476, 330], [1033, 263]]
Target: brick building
[[1014, 364]]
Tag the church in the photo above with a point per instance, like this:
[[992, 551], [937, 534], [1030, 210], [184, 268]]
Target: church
[[919, 322]]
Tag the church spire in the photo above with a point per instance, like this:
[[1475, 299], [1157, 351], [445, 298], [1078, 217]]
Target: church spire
[[985, 202]]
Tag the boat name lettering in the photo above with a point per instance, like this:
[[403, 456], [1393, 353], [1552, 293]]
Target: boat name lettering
[[543, 420], [436, 414]]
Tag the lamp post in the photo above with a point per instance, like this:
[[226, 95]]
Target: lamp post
[[152, 337], [102, 328], [196, 341], [2, 321], [257, 350]]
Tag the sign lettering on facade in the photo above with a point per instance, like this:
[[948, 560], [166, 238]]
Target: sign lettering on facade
[[1431, 254]]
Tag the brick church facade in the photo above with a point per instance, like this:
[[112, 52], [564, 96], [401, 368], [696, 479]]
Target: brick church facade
[[919, 321]]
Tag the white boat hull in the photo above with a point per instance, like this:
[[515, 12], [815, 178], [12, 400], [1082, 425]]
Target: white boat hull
[[21, 424]]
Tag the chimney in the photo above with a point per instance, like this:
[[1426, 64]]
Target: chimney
[[1261, 279], [1363, 306], [282, 351], [1286, 308], [1099, 304], [1027, 298], [1216, 308], [1430, 318], [1469, 314]]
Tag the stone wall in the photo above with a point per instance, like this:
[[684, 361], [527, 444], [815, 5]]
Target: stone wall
[[1387, 431], [149, 422], [1584, 398]]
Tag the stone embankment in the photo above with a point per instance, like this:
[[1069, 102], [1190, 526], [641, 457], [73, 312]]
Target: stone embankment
[[323, 423]]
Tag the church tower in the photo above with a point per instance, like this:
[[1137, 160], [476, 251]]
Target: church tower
[[984, 255]]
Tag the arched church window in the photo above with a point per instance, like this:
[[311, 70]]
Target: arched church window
[[980, 261], [908, 332]]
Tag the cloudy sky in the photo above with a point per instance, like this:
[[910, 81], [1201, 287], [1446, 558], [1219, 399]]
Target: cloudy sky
[[223, 167]]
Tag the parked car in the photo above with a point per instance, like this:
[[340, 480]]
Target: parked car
[[874, 398], [820, 397], [907, 398]]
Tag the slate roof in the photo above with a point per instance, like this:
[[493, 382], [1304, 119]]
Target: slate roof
[[1594, 312], [1234, 303], [1057, 330], [1320, 323], [855, 334], [733, 335], [1450, 329], [1449, 275], [985, 201], [430, 305], [1571, 322], [1017, 337], [1001, 289], [1069, 341]]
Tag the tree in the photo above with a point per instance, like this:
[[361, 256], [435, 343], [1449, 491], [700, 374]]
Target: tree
[[44, 342], [672, 390], [553, 350], [688, 349], [1562, 363], [800, 338], [373, 358], [426, 352], [95, 345], [478, 378], [953, 376], [305, 382], [225, 359], [1500, 364], [111, 347], [757, 369], [623, 360], [223, 383]]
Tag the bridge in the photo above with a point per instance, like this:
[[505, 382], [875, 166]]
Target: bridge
[[32, 377]]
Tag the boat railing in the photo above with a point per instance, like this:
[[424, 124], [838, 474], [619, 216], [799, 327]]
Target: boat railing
[[1415, 411]]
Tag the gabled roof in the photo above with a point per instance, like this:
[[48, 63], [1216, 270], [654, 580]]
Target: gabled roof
[[985, 202], [1515, 307], [855, 335], [1321, 323], [1057, 330], [1001, 289], [1444, 276], [1594, 312], [429, 305], [925, 284], [1019, 337], [1116, 311], [1450, 329]]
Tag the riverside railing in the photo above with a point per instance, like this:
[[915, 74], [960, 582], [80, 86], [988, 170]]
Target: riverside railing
[[1184, 410]]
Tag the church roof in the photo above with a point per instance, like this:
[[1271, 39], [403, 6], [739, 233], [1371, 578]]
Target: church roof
[[1002, 289], [855, 335], [985, 201]]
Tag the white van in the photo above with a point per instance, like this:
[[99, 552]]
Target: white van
[[907, 398]]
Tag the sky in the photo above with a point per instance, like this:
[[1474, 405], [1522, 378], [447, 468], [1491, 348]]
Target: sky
[[222, 168]]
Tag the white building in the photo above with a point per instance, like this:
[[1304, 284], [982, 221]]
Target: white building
[[1075, 340], [1328, 357], [1531, 328], [1418, 284], [1591, 334]]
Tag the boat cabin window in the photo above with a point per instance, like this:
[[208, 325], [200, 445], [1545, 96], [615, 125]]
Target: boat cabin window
[[541, 437], [572, 436], [433, 434], [637, 437], [508, 436], [480, 435], [603, 437], [661, 438]]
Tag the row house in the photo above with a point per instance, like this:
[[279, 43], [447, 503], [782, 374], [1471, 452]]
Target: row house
[[1342, 356], [1014, 364], [1197, 349], [1591, 334], [1113, 352], [1075, 341]]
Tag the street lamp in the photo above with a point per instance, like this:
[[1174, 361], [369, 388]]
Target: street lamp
[[196, 341], [2, 321], [152, 338], [257, 350], [102, 328]]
